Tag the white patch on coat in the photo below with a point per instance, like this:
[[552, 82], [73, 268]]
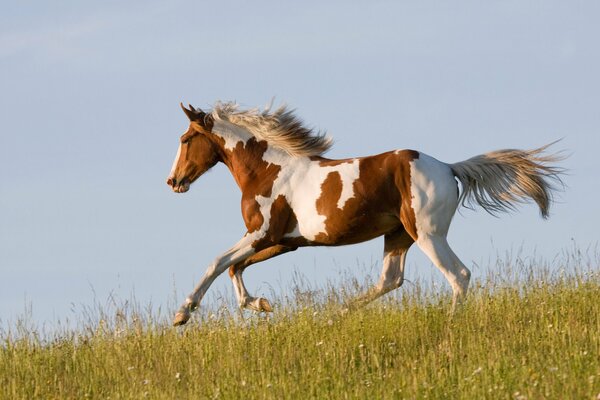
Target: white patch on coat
[[265, 204], [302, 185], [349, 173], [230, 133], [434, 195]]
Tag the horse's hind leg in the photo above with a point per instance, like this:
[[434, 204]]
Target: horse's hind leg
[[439, 252], [434, 198], [396, 246], [235, 272]]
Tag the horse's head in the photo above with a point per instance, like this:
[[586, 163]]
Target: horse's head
[[197, 152]]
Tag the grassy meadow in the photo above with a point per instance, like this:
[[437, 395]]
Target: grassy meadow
[[530, 334]]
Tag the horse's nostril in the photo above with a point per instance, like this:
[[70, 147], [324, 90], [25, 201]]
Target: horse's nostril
[[171, 181]]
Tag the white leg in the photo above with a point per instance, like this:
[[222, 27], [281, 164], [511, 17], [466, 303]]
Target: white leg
[[238, 285], [242, 250], [244, 298], [235, 272], [440, 253], [392, 275]]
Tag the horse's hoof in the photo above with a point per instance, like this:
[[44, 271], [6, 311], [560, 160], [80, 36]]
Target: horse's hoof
[[181, 318], [264, 305], [257, 304]]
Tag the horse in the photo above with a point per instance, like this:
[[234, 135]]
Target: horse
[[292, 196]]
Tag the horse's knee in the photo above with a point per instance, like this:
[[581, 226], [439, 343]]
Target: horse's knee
[[464, 278]]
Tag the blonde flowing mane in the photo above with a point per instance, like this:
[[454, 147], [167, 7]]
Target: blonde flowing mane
[[280, 128]]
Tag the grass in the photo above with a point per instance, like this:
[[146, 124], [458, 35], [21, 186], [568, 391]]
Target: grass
[[532, 337]]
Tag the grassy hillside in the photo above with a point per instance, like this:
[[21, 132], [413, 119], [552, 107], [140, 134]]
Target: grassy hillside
[[536, 339]]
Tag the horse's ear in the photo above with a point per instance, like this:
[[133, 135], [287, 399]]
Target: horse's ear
[[194, 114]]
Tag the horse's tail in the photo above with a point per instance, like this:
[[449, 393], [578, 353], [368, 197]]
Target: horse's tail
[[499, 180]]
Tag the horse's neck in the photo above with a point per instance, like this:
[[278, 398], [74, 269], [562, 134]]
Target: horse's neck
[[254, 164]]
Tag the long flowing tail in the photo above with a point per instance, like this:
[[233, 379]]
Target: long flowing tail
[[499, 180]]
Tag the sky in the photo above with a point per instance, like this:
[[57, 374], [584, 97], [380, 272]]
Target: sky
[[90, 122]]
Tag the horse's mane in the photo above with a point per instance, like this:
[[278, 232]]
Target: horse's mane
[[280, 128]]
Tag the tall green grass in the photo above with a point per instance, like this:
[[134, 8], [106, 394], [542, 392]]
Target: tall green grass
[[534, 334]]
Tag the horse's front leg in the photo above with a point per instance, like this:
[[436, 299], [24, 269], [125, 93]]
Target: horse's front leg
[[238, 253], [235, 272]]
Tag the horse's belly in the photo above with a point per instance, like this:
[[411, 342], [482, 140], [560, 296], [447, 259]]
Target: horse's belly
[[339, 228], [358, 229]]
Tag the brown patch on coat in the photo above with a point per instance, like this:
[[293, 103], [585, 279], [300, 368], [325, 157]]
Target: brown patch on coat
[[251, 214], [262, 255], [381, 201], [403, 182], [282, 220], [331, 191], [254, 176]]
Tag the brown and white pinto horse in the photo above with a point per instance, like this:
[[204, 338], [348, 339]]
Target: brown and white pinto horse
[[294, 197]]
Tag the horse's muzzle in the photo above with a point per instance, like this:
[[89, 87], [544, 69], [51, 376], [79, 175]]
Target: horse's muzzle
[[178, 187]]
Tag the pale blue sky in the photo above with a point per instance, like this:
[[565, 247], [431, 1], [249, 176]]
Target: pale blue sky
[[89, 96]]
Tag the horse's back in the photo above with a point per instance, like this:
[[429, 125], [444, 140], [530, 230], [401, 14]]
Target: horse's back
[[349, 201]]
